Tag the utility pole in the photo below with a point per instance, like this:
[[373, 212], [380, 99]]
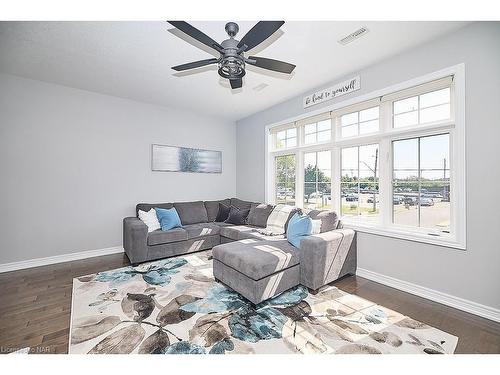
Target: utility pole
[[374, 170]]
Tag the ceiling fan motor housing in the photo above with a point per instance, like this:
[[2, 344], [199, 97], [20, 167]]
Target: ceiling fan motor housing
[[232, 63]]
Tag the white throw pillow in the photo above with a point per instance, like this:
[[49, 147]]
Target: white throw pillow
[[150, 219], [316, 229]]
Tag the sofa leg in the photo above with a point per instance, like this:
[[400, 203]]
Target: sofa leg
[[313, 291]]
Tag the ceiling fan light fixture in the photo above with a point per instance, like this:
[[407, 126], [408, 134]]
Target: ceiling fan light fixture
[[231, 68]]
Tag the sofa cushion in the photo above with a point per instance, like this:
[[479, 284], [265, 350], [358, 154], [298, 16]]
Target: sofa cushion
[[238, 232], [149, 206], [328, 220], [237, 216], [223, 213], [259, 212], [159, 237], [201, 230], [212, 208], [243, 232], [192, 212], [223, 224], [242, 205], [257, 259]]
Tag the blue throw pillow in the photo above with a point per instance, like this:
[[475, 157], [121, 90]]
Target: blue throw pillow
[[298, 228], [168, 219]]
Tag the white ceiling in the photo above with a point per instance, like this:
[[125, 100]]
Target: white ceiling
[[133, 59]]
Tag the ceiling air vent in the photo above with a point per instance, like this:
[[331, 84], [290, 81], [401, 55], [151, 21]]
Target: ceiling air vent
[[353, 36]]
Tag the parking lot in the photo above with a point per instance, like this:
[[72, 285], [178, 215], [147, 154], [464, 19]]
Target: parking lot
[[436, 216]]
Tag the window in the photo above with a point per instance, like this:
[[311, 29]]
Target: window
[[421, 109], [285, 179], [378, 167], [318, 132], [360, 181], [318, 180], [421, 182], [360, 122], [286, 138]]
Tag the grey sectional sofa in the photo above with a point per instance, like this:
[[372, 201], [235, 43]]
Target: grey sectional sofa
[[256, 265]]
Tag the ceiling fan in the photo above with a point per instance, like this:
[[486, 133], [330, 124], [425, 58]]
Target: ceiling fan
[[232, 59]]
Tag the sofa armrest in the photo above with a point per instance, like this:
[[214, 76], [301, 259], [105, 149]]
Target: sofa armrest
[[326, 257], [135, 237]]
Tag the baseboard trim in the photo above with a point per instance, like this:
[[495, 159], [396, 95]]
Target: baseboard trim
[[433, 295], [14, 266]]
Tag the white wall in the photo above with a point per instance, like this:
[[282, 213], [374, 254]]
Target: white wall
[[73, 163], [472, 274]]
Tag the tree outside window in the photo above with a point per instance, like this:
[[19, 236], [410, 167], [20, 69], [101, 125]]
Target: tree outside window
[[317, 180], [285, 179]]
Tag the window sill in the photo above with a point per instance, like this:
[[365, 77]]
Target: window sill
[[405, 235]]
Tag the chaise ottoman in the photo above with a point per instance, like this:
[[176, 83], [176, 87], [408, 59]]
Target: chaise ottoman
[[257, 269]]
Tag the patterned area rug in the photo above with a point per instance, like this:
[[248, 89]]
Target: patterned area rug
[[176, 306]]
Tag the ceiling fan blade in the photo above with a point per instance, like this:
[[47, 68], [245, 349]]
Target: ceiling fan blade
[[195, 64], [236, 83], [271, 64], [260, 32], [196, 34]]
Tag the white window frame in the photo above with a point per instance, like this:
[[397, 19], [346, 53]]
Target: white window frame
[[282, 152], [274, 136], [384, 137], [315, 120], [355, 219], [336, 115], [318, 148]]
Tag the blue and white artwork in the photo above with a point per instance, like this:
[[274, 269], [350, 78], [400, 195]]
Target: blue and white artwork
[[184, 159]]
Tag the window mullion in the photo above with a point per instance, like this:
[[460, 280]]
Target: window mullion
[[336, 178], [385, 182], [385, 165], [299, 179], [419, 181], [359, 212]]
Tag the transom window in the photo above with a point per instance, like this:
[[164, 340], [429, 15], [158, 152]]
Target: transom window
[[286, 138], [421, 109], [378, 167], [318, 132], [360, 122]]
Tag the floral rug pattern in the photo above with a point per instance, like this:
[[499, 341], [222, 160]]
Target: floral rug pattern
[[176, 306]]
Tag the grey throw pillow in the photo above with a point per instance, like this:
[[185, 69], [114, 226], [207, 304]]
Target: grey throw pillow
[[329, 219], [258, 214], [237, 216], [191, 212], [223, 213], [213, 208]]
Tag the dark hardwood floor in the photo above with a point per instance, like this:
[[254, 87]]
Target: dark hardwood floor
[[35, 308]]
